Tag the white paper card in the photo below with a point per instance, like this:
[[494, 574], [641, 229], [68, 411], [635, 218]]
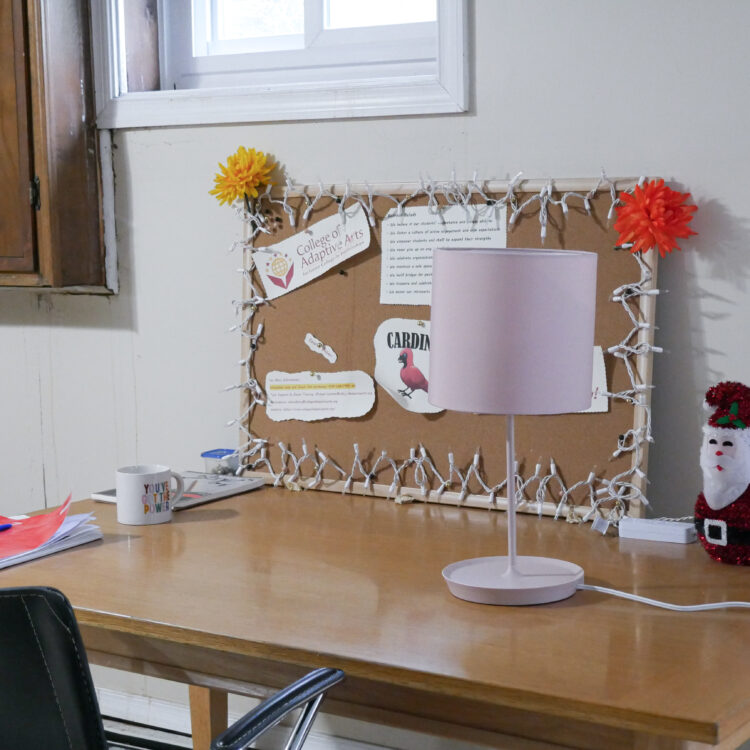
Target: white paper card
[[407, 242], [306, 255], [402, 362], [599, 401], [316, 345], [309, 396]]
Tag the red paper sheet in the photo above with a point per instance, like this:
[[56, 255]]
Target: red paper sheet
[[30, 533]]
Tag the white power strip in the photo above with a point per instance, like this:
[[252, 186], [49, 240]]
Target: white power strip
[[654, 530]]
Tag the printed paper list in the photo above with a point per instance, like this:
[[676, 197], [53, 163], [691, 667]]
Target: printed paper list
[[407, 242]]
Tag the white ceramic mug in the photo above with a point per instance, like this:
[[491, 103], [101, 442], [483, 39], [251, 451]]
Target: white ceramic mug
[[144, 494]]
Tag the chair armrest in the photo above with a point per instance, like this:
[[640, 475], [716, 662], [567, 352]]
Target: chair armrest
[[308, 691]]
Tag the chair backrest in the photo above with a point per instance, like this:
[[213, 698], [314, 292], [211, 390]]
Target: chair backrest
[[47, 697], [306, 693]]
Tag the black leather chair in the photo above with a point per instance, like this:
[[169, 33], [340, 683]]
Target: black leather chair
[[47, 697]]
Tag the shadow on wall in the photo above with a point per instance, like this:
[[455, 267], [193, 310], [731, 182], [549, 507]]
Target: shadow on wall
[[682, 372], [32, 307], [58, 309]]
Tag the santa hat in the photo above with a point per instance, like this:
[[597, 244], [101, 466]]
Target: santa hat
[[730, 402]]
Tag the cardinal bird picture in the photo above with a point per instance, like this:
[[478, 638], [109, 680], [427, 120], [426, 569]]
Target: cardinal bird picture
[[402, 363], [411, 376]]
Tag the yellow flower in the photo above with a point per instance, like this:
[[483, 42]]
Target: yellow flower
[[244, 173]]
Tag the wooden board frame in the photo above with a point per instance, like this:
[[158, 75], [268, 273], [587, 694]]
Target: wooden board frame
[[571, 466]]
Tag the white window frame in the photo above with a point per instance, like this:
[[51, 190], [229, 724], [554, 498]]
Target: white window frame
[[348, 56], [441, 87]]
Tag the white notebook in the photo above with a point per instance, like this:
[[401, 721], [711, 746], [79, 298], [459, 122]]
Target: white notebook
[[201, 488]]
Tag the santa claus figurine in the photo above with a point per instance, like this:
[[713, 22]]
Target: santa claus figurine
[[722, 512]]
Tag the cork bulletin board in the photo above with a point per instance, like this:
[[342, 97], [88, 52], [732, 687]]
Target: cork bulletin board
[[570, 465]]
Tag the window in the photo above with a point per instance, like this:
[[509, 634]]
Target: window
[[170, 62], [231, 42]]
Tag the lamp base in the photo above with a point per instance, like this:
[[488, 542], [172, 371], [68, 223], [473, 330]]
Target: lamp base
[[534, 580]]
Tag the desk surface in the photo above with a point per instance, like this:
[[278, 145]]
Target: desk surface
[[276, 581]]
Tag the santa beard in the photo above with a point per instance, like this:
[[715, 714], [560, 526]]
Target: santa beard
[[722, 487]]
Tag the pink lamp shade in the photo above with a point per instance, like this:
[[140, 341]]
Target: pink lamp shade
[[512, 330]]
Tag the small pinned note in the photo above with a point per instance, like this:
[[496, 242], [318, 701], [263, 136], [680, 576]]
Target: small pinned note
[[310, 396], [599, 399], [318, 346]]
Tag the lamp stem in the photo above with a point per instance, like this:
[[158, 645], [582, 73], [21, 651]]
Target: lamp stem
[[510, 454]]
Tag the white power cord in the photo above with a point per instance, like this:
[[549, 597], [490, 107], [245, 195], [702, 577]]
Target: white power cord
[[664, 605]]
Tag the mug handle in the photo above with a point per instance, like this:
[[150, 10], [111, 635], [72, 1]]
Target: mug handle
[[180, 488]]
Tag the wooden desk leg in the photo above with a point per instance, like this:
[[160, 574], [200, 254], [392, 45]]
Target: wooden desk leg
[[208, 715]]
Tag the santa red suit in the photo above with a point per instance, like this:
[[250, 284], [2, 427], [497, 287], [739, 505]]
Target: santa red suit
[[722, 511], [725, 533]]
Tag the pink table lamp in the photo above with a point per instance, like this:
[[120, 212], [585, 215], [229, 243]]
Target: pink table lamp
[[512, 332]]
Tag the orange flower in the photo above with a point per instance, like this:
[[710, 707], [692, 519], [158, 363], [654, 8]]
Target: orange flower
[[654, 216], [244, 173]]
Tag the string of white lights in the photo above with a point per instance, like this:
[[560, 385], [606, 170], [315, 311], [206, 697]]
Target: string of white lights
[[609, 498]]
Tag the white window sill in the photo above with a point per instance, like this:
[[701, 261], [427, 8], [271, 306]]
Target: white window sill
[[255, 104]]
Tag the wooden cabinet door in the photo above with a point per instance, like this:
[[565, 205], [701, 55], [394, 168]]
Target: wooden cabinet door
[[16, 212]]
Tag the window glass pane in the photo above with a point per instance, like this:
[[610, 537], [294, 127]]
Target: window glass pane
[[347, 14], [253, 19]]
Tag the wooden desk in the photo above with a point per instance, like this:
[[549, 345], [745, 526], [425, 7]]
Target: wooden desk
[[256, 589]]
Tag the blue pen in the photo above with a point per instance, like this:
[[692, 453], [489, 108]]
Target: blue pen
[[5, 526]]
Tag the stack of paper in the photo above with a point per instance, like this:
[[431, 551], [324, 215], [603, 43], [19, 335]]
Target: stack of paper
[[37, 536]]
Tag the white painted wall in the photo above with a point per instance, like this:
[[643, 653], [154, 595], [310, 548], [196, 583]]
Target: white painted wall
[[560, 89]]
